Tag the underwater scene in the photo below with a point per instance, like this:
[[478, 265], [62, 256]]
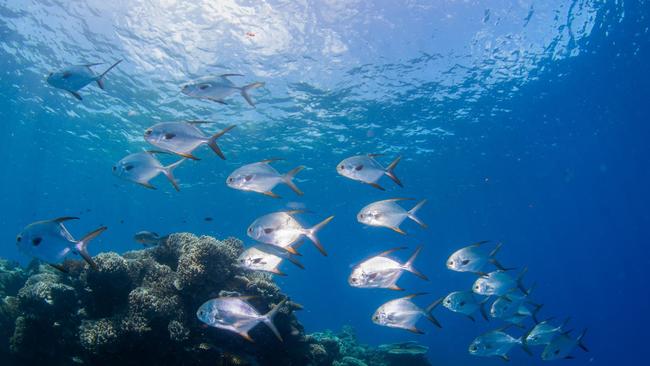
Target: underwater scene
[[333, 182]]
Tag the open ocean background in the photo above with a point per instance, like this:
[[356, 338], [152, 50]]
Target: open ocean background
[[522, 122]]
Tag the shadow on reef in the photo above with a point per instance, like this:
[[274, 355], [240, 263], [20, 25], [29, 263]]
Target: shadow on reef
[[140, 308]]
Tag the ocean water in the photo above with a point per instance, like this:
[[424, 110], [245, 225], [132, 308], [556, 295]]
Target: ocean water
[[521, 122]]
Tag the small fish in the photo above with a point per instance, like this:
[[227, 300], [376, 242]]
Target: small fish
[[149, 238], [511, 307], [283, 230], [498, 283], [143, 166], [544, 332], [405, 348], [364, 168], [73, 78], [219, 89], [266, 258], [51, 242], [465, 302], [496, 343], [389, 214], [182, 138], [562, 345], [236, 315], [382, 271], [261, 177], [473, 258], [404, 314], [208, 219]]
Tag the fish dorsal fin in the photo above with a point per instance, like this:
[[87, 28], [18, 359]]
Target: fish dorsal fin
[[296, 212], [198, 122], [375, 155], [478, 244], [157, 152], [91, 64], [266, 161], [228, 75], [414, 295], [398, 199], [389, 251], [59, 220]]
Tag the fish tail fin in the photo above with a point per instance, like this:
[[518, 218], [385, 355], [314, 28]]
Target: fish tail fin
[[483, 310], [100, 78], [246, 88], [311, 234], [295, 262], [535, 311], [520, 281], [390, 171], [288, 179], [212, 141], [430, 308], [580, 340], [268, 319], [524, 343], [82, 245], [412, 213], [409, 264], [169, 173]]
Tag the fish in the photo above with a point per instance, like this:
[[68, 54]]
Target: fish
[[283, 230], [266, 258], [389, 214], [235, 314], [182, 138], [143, 166], [208, 219], [511, 307], [498, 283], [51, 242], [496, 343], [381, 271], [365, 169], [149, 238], [402, 313], [465, 302], [562, 345], [404, 348], [220, 88], [544, 332], [261, 177], [473, 258], [75, 77]]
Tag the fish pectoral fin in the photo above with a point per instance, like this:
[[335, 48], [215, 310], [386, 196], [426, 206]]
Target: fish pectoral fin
[[397, 230], [146, 184], [377, 186], [414, 330], [76, 95], [271, 194]]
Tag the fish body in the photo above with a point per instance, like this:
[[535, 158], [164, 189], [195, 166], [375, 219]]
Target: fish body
[[148, 238], [465, 302], [512, 308], [404, 314], [75, 77], [365, 169], [261, 177], [473, 258], [265, 258], [283, 230], [219, 88], [382, 271], [562, 345], [143, 166], [497, 283], [235, 314], [388, 214], [494, 343], [51, 242], [543, 333], [182, 138]]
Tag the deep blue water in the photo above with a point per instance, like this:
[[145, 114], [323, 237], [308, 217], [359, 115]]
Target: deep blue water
[[521, 123]]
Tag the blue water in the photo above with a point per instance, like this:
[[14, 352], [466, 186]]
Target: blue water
[[524, 123]]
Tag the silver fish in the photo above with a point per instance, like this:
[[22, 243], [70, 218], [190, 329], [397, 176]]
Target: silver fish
[[495, 343], [498, 283], [544, 332], [261, 177], [149, 238], [473, 258], [73, 78], [404, 314], [364, 168], [266, 258], [143, 166], [236, 315], [511, 306], [382, 271], [220, 88], [465, 302], [51, 242], [562, 345], [389, 214], [182, 138], [283, 230]]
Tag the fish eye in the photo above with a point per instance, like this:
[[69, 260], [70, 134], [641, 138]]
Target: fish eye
[[342, 167], [230, 180], [148, 132], [19, 238], [451, 263], [204, 86], [36, 241], [474, 348], [114, 168]]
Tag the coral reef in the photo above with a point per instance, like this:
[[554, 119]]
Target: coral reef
[[139, 308]]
